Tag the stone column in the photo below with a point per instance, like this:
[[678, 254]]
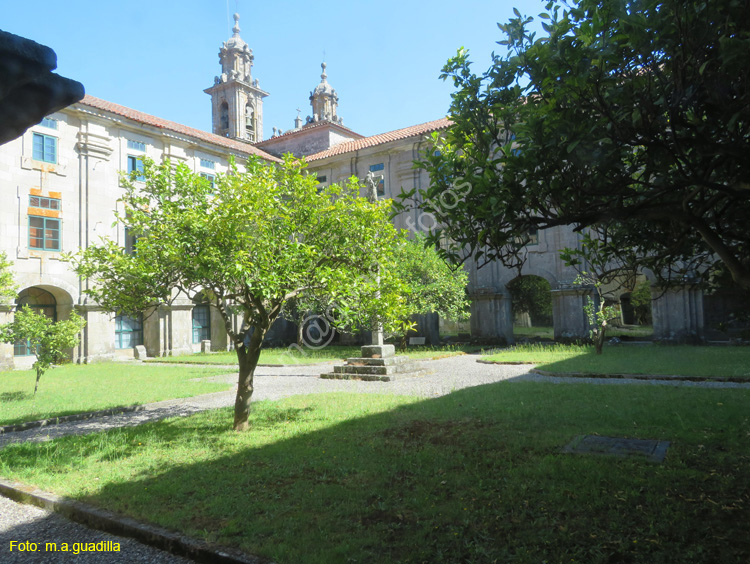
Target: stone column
[[180, 340], [677, 313], [428, 326], [98, 336], [492, 315], [6, 349], [567, 312]]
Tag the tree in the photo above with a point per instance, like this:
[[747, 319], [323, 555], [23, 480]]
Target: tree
[[531, 295], [7, 286], [630, 116], [432, 285], [251, 243], [50, 340]]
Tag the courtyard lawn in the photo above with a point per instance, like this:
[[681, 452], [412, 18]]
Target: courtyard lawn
[[69, 389], [476, 476], [292, 356], [693, 361], [627, 331]]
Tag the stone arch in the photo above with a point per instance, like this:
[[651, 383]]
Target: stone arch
[[532, 306], [52, 301]]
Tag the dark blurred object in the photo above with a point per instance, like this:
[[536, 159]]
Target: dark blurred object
[[28, 89]]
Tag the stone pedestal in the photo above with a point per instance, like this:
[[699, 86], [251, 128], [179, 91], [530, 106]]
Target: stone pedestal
[[378, 363]]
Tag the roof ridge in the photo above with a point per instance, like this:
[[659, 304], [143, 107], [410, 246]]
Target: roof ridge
[[381, 138], [175, 127]]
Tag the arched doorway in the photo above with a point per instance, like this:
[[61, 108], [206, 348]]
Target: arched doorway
[[42, 302], [531, 300]]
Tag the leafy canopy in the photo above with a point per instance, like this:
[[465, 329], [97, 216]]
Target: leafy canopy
[[255, 240], [631, 117]]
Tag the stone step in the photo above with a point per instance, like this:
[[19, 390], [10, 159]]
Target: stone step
[[390, 361], [390, 369], [373, 377]]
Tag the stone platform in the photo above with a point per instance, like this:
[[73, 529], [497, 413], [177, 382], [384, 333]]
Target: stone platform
[[378, 363]]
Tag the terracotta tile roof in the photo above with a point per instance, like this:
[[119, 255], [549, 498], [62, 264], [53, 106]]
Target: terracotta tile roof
[[231, 144], [381, 138], [308, 127]]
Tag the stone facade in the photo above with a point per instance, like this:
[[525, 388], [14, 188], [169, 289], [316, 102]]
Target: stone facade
[[60, 186]]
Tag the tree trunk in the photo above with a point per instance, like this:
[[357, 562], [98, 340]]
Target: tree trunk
[[38, 375], [599, 338], [301, 331], [248, 360]]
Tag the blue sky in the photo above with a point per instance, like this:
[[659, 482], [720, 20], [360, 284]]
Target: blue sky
[[384, 58]]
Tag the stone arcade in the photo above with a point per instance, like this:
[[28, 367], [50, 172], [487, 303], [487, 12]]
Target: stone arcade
[[59, 189]]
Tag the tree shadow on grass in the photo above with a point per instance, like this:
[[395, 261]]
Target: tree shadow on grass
[[7, 397], [475, 476]]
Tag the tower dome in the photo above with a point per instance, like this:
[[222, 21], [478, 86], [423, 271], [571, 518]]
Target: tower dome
[[324, 101]]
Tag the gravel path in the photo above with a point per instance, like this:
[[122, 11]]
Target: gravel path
[[23, 522]]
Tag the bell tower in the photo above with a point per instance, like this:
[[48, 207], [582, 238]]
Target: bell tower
[[236, 98], [324, 101]]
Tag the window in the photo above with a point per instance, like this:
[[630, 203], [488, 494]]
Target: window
[[49, 123], [44, 233], [530, 238], [206, 163], [130, 241], [135, 164], [224, 118], [137, 145], [210, 177], [128, 331], [201, 323], [44, 203], [322, 179], [44, 148], [381, 185]]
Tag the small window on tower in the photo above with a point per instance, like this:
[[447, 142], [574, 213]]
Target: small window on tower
[[224, 118]]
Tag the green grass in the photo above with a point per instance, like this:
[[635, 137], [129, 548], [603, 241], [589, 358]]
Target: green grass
[[291, 356], [475, 477], [632, 331], [69, 389], [693, 361]]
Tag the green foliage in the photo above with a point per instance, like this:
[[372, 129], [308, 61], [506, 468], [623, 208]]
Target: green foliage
[[631, 117], [640, 299], [7, 286], [255, 240], [432, 285], [50, 339], [531, 294]]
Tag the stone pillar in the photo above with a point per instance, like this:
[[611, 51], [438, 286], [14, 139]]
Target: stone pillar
[[180, 340], [567, 312], [492, 316], [677, 313], [98, 336], [6, 349], [219, 339], [428, 326]]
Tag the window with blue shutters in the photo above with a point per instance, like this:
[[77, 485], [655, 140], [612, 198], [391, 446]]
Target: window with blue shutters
[[44, 148]]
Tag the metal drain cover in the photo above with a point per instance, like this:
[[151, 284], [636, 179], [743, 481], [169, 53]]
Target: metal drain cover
[[652, 450]]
